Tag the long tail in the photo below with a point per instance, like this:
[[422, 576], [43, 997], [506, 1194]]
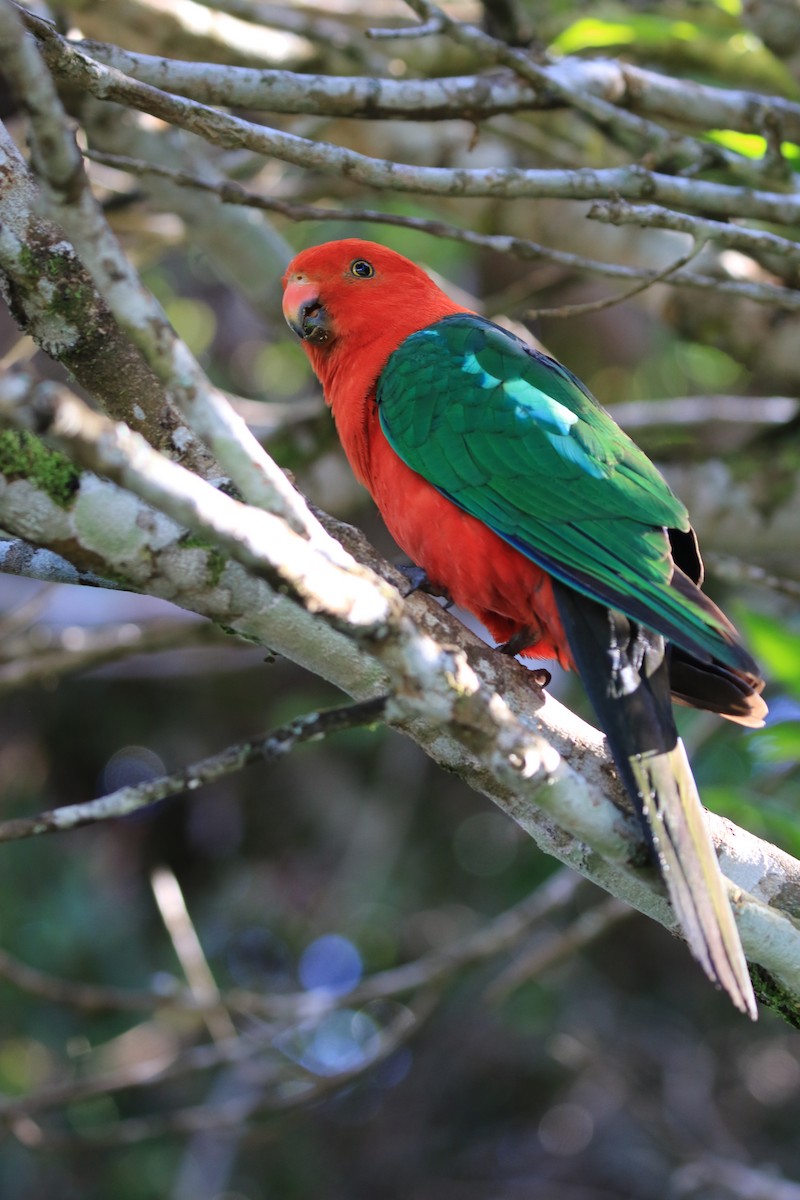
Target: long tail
[[626, 674]]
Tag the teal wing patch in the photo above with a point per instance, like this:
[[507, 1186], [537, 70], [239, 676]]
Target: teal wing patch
[[514, 439]]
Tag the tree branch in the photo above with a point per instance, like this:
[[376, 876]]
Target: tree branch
[[232, 193], [526, 752], [206, 409], [133, 798], [53, 298], [634, 182], [457, 97]]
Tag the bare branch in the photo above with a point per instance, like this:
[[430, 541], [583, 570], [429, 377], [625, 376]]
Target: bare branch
[[452, 97], [70, 651], [630, 182], [206, 409], [516, 247], [706, 409], [650, 216], [52, 296], [133, 798]]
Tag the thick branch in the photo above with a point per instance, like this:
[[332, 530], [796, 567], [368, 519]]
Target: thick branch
[[527, 753], [632, 182], [472, 97], [53, 298], [67, 189]]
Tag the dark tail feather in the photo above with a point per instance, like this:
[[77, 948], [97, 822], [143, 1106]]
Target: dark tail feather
[[626, 674], [732, 694]]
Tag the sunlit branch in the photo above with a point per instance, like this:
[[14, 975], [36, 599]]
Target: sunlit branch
[[259, 540], [630, 182], [516, 247], [204, 406], [190, 953], [451, 97]]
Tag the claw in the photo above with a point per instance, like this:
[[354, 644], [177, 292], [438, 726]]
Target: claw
[[415, 577], [520, 641], [418, 581]]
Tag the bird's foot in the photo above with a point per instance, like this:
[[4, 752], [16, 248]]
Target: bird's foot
[[519, 641], [418, 581], [541, 677]]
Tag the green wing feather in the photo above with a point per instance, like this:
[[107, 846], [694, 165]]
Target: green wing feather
[[514, 439]]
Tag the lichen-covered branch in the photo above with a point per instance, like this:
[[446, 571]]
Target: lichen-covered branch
[[233, 194], [53, 298], [477, 97], [529, 754], [67, 189], [633, 182]]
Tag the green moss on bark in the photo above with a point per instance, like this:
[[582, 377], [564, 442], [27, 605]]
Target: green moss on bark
[[23, 456]]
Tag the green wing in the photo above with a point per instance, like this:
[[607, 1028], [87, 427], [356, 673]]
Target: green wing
[[514, 439]]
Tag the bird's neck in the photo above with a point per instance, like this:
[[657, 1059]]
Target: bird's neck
[[349, 376]]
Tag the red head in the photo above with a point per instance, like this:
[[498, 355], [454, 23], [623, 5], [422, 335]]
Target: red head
[[355, 301]]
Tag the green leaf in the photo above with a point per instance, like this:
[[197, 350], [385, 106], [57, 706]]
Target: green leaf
[[774, 646], [777, 743], [752, 145]]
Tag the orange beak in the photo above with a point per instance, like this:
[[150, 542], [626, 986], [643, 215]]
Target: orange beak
[[304, 311]]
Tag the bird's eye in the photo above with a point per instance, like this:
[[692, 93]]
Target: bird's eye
[[361, 268]]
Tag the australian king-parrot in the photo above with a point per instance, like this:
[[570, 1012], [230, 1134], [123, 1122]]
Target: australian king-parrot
[[502, 477]]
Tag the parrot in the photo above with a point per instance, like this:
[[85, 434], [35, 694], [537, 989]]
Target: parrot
[[517, 495]]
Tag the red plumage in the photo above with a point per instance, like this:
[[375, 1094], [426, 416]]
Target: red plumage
[[369, 318]]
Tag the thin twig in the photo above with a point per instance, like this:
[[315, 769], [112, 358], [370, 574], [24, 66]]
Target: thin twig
[[591, 306], [130, 799], [190, 954], [425, 29], [516, 247], [304, 1089], [79, 649], [565, 944]]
